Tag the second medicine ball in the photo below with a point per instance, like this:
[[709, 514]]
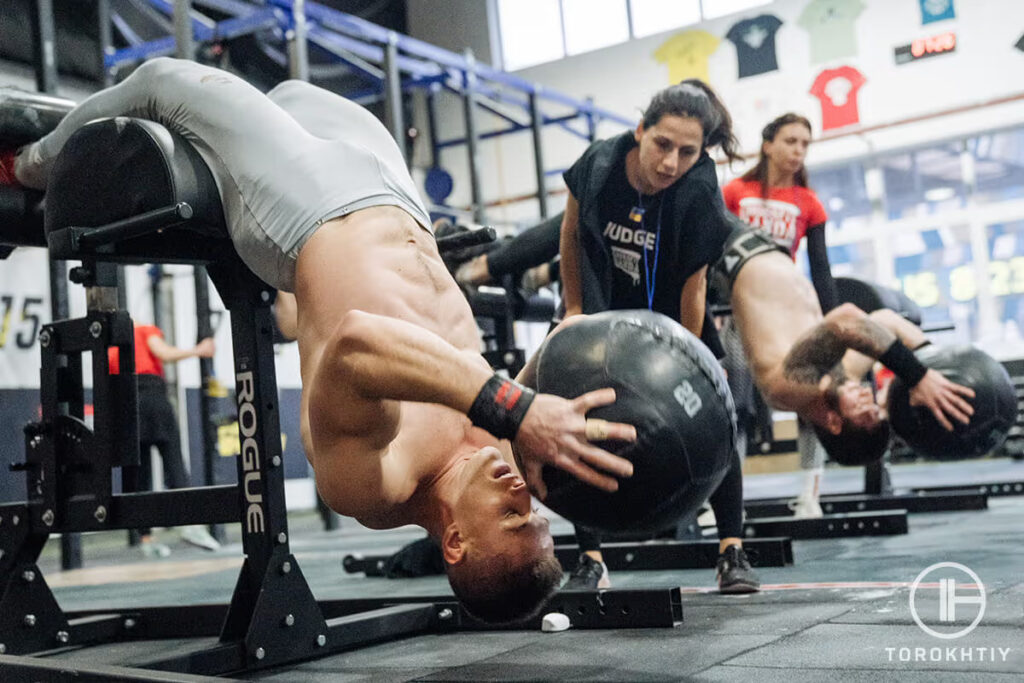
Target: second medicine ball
[[995, 406], [671, 388]]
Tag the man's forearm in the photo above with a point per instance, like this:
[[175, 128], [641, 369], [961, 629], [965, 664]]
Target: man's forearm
[[860, 333], [818, 351]]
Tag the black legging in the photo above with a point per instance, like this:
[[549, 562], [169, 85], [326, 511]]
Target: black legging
[[529, 248], [158, 426], [726, 501]]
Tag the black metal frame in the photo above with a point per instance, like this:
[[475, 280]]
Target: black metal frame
[[959, 498], [272, 618], [631, 556], [880, 523]]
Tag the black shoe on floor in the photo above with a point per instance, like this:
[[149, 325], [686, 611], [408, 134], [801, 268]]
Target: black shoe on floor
[[734, 572], [589, 574]]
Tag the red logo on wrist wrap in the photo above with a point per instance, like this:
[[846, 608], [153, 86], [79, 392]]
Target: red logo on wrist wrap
[[508, 395]]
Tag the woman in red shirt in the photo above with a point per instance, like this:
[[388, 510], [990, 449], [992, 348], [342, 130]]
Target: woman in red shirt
[[774, 197]]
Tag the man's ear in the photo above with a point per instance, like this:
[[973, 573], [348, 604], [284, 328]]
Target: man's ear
[[639, 132], [453, 546], [833, 422]]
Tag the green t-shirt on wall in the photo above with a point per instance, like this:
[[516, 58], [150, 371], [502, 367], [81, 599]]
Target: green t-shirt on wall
[[831, 25]]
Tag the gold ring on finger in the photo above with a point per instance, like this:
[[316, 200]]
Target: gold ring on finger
[[597, 430]]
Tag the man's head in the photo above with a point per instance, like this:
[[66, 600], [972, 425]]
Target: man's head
[[854, 430], [498, 551]]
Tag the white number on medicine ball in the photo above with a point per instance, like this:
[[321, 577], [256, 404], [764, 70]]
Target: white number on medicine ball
[[688, 398]]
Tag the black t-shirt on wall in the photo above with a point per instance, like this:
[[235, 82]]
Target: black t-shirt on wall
[[630, 229]]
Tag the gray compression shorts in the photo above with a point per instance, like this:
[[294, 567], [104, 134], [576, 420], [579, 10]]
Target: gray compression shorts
[[743, 244], [284, 163]]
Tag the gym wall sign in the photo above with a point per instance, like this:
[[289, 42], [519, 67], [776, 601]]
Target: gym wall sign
[[922, 48]]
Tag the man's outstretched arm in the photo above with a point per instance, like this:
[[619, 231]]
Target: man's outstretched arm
[[848, 327], [385, 359]]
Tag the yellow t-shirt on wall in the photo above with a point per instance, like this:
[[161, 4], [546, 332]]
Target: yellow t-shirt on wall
[[686, 55]]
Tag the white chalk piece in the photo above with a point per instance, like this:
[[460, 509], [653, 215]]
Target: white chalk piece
[[554, 622]]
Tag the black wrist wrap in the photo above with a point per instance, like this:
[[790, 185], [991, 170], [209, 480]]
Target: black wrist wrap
[[501, 406], [903, 363]]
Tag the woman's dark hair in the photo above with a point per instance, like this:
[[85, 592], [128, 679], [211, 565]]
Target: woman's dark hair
[[768, 133], [693, 98]]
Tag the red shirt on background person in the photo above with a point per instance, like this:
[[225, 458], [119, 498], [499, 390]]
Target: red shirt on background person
[[151, 352], [787, 213], [773, 196]]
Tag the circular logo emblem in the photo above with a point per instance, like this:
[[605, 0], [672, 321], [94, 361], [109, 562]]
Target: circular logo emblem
[[950, 598]]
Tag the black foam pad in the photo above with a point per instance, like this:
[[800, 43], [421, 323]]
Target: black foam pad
[[869, 297], [117, 168], [21, 217]]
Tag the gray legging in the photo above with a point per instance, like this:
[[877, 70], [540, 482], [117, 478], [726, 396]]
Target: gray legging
[[812, 453], [284, 163]]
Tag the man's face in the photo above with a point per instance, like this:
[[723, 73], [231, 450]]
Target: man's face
[[494, 510], [668, 149], [857, 405]]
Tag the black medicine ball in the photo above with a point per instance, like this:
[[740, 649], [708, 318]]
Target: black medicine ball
[[995, 406], [671, 388]]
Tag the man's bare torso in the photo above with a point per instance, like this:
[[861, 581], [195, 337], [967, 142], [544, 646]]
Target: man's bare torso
[[774, 306], [381, 261]]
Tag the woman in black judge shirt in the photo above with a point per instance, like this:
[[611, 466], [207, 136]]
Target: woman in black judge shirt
[[643, 222]]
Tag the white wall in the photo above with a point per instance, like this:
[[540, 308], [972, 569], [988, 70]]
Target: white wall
[[623, 77]]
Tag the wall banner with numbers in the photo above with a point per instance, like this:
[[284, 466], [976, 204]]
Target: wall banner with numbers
[[24, 307]]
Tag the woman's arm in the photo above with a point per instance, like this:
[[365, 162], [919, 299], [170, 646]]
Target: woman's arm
[[168, 353], [569, 248], [821, 270], [693, 300]]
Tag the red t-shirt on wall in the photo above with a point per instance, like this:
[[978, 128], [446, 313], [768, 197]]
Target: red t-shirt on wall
[[837, 90], [785, 214], [145, 362]]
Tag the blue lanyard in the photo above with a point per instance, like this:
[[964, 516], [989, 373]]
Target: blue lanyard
[[651, 273]]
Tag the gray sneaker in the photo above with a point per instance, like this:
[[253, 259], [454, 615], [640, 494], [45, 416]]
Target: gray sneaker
[[198, 536], [154, 549]]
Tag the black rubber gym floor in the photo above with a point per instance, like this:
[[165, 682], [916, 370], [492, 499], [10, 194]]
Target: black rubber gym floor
[[841, 612]]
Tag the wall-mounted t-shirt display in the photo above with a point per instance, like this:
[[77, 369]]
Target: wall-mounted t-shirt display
[[831, 25], [837, 91], [686, 55], [936, 10], [755, 44]]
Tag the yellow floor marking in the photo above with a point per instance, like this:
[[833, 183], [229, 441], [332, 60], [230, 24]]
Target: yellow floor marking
[[139, 572]]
